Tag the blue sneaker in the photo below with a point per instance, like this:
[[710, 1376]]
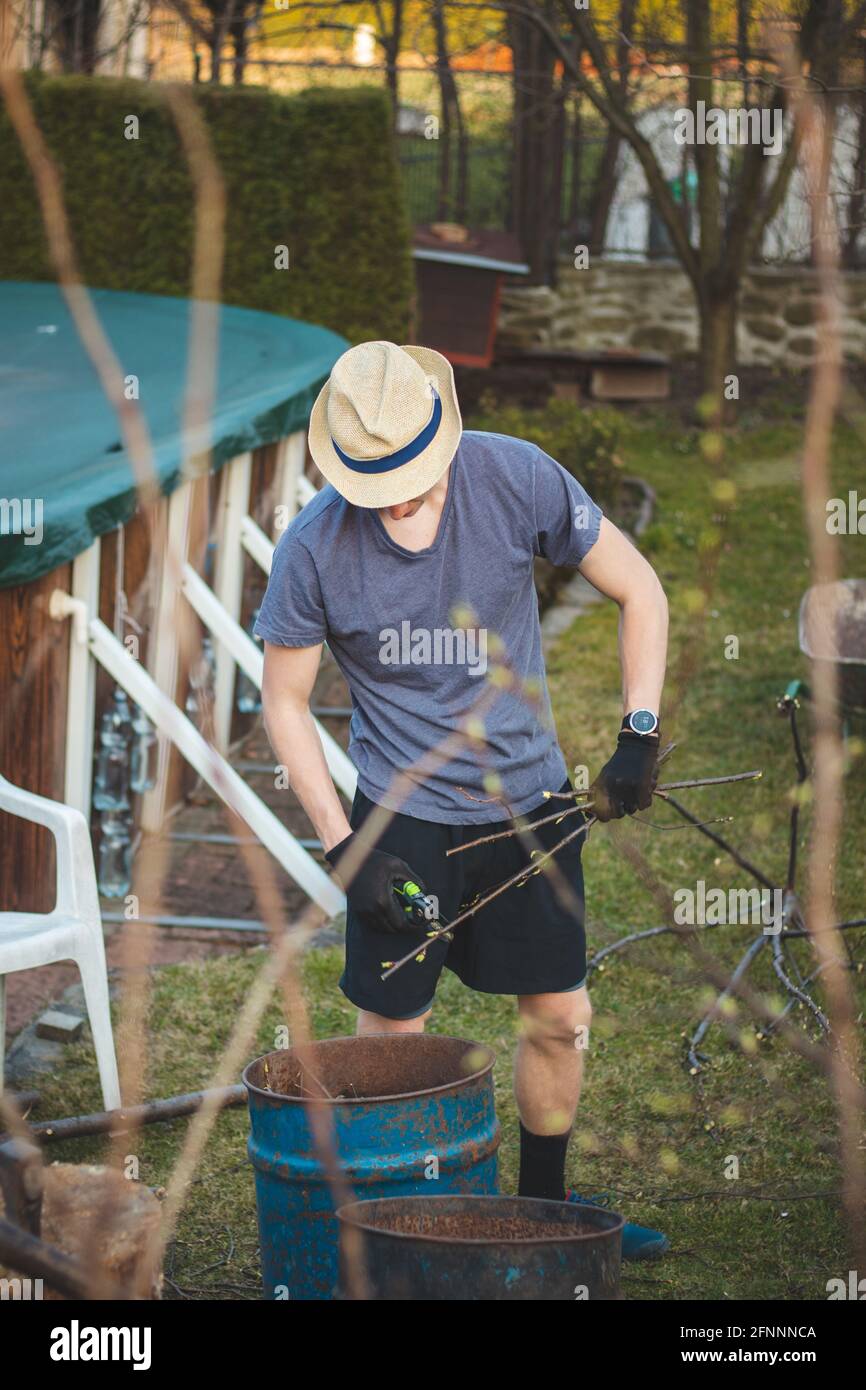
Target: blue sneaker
[[638, 1242]]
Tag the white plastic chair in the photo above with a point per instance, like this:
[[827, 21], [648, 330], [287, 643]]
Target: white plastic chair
[[71, 931]]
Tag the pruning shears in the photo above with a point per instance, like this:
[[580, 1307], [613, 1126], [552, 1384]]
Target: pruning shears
[[423, 911], [419, 906]]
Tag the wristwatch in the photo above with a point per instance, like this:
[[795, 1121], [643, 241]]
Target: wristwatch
[[641, 721]]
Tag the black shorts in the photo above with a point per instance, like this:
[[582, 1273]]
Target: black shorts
[[528, 940]]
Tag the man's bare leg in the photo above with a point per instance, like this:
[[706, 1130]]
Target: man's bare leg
[[548, 1067], [548, 1070], [377, 1023]]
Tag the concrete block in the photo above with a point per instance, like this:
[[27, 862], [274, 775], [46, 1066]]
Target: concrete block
[[59, 1027]]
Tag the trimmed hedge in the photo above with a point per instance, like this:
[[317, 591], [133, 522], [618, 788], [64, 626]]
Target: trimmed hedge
[[316, 172]]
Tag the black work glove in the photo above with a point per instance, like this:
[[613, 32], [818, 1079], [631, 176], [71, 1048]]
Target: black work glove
[[625, 783], [371, 891]]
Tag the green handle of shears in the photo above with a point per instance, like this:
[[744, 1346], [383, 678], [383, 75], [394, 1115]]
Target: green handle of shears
[[409, 889], [409, 892]]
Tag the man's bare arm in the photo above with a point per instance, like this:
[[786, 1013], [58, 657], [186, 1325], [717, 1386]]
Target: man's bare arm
[[618, 570], [287, 684]]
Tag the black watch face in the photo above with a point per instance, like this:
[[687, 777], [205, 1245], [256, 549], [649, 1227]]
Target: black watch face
[[642, 721]]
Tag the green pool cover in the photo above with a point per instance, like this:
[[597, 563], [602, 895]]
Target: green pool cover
[[65, 477]]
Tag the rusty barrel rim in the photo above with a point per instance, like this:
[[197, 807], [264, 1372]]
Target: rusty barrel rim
[[279, 1098], [353, 1214]]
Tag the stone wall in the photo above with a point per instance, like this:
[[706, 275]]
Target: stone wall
[[616, 304]]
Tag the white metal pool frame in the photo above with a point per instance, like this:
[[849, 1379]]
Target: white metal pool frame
[[219, 608]]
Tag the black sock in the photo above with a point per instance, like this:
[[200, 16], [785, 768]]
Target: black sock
[[542, 1165]]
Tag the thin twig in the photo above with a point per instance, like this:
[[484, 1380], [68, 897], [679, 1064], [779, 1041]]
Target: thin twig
[[737, 857], [699, 825], [588, 805], [679, 786], [753, 950], [519, 829], [793, 989], [710, 781]]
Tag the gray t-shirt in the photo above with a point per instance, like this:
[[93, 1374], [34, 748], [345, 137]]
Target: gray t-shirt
[[414, 658]]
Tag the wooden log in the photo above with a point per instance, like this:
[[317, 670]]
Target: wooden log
[[27, 1263], [116, 1121]]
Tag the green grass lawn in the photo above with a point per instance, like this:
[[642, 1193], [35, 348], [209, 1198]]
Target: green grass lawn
[[661, 1139]]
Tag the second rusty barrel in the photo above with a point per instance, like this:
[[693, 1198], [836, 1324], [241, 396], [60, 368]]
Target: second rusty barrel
[[408, 1113], [484, 1248]]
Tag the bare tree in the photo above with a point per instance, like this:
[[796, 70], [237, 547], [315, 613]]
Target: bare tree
[[450, 205], [536, 137], [857, 198], [230, 19], [85, 36], [605, 181], [389, 20], [731, 226], [74, 25]]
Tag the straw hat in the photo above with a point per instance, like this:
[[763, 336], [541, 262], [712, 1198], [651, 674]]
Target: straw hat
[[386, 424]]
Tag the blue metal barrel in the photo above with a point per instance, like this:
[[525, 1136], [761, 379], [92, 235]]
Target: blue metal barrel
[[411, 1113], [498, 1249]]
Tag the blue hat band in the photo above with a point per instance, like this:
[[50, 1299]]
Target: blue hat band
[[409, 451]]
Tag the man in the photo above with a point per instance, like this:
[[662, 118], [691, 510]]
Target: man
[[416, 566]]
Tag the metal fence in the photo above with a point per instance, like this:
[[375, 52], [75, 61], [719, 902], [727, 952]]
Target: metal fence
[[488, 181]]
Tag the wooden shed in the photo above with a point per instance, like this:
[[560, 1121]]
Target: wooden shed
[[459, 275]]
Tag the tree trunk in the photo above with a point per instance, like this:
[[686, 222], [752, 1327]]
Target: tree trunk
[[462, 160], [462, 196], [392, 53], [744, 16], [603, 191], [605, 184], [239, 42], [856, 201], [574, 186], [445, 202], [533, 127], [718, 328], [554, 188]]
